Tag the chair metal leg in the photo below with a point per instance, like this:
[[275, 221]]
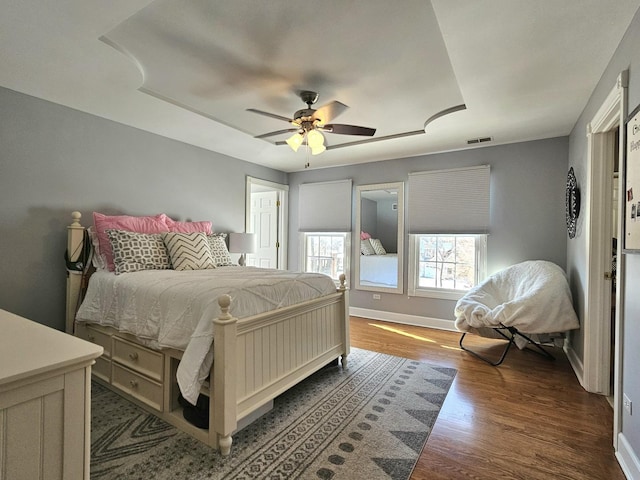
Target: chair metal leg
[[511, 340]]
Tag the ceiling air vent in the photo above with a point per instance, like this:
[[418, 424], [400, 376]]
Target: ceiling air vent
[[473, 141]]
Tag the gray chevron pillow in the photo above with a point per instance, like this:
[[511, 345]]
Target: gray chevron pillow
[[189, 251]]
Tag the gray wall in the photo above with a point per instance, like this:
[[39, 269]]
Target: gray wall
[[369, 217], [55, 160], [627, 56], [388, 225], [527, 209]]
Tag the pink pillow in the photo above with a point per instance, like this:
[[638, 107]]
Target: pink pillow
[[128, 223], [188, 227], [364, 235]]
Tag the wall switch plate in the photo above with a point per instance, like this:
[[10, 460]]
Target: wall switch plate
[[376, 296], [626, 401]]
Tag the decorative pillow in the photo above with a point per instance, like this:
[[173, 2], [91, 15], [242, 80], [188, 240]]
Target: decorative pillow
[[376, 244], [127, 223], [134, 251], [366, 248], [219, 250], [97, 260], [364, 236], [189, 251], [188, 227]]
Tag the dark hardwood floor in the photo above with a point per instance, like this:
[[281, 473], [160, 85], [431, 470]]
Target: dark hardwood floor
[[528, 418]]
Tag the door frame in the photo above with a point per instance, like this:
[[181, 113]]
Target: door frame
[[257, 184], [596, 323]]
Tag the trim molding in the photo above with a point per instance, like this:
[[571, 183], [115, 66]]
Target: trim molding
[[394, 317], [627, 458], [575, 361]]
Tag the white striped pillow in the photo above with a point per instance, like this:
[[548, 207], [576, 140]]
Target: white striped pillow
[[189, 251]]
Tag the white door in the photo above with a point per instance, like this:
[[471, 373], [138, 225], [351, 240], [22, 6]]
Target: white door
[[264, 223]]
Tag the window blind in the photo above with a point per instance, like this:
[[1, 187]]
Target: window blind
[[325, 206], [449, 201]]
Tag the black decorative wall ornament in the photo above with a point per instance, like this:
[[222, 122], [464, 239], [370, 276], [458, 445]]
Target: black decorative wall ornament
[[572, 203]]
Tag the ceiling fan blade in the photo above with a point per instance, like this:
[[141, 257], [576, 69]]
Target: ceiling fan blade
[[277, 132], [328, 112], [349, 129], [267, 114]]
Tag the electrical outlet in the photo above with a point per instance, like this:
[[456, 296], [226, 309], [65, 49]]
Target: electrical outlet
[[627, 403], [376, 296]]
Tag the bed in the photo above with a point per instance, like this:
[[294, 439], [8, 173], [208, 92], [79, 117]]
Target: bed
[[271, 329], [527, 304]]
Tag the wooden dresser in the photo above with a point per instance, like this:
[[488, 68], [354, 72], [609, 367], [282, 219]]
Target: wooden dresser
[[45, 401]]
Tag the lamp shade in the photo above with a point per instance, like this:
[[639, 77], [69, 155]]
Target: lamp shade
[[242, 242], [315, 139], [294, 141]]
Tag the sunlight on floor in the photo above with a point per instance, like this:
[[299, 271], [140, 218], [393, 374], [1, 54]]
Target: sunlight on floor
[[411, 335], [403, 333]]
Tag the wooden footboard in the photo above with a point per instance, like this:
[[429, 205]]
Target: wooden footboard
[[255, 358]]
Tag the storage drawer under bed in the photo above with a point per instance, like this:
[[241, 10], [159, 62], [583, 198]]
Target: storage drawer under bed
[[138, 386], [138, 358], [94, 335]]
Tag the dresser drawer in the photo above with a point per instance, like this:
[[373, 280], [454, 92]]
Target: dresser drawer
[[102, 369], [138, 386], [138, 358], [94, 335]]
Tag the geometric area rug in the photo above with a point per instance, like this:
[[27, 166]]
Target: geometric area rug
[[370, 421]]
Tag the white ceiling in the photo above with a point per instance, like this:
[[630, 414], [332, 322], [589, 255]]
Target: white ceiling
[[189, 69]]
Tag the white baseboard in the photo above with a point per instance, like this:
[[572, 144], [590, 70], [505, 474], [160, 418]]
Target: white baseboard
[[627, 459], [403, 318], [575, 362]]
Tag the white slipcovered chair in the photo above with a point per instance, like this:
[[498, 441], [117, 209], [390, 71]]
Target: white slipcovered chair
[[527, 303]]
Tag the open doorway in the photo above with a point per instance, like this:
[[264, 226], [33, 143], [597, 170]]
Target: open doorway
[[602, 319], [266, 217], [616, 216]]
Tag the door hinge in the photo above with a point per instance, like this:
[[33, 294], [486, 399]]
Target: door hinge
[[277, 203], [277, 244]]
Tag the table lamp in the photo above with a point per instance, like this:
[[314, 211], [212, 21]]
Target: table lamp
[[242, 243]]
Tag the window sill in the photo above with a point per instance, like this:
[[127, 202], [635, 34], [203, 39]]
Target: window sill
[[440, 294]]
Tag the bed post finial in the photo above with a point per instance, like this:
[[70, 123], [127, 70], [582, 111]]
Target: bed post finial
[[76, 216], [343, 281], [225, 302]]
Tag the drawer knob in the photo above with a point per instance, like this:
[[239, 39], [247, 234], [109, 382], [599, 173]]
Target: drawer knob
[[133, 383], [133, 356]]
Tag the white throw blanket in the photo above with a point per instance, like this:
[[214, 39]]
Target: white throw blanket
[[532, 296]]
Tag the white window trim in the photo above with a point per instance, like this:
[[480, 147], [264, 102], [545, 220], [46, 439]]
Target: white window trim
[[443, 293], [347, 252]]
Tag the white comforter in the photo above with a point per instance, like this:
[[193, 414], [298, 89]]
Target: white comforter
[[532, 296], [379, 269], [168, 308]]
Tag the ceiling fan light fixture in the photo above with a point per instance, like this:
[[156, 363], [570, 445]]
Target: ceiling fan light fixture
[[318, 149], [315, 139], [294, 141]]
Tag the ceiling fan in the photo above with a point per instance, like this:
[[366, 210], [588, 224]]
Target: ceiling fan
[[308, 123]]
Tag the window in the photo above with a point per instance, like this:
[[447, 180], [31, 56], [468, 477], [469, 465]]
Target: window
[[325, 225], [444, 265], [449, 217], [326, 253]]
